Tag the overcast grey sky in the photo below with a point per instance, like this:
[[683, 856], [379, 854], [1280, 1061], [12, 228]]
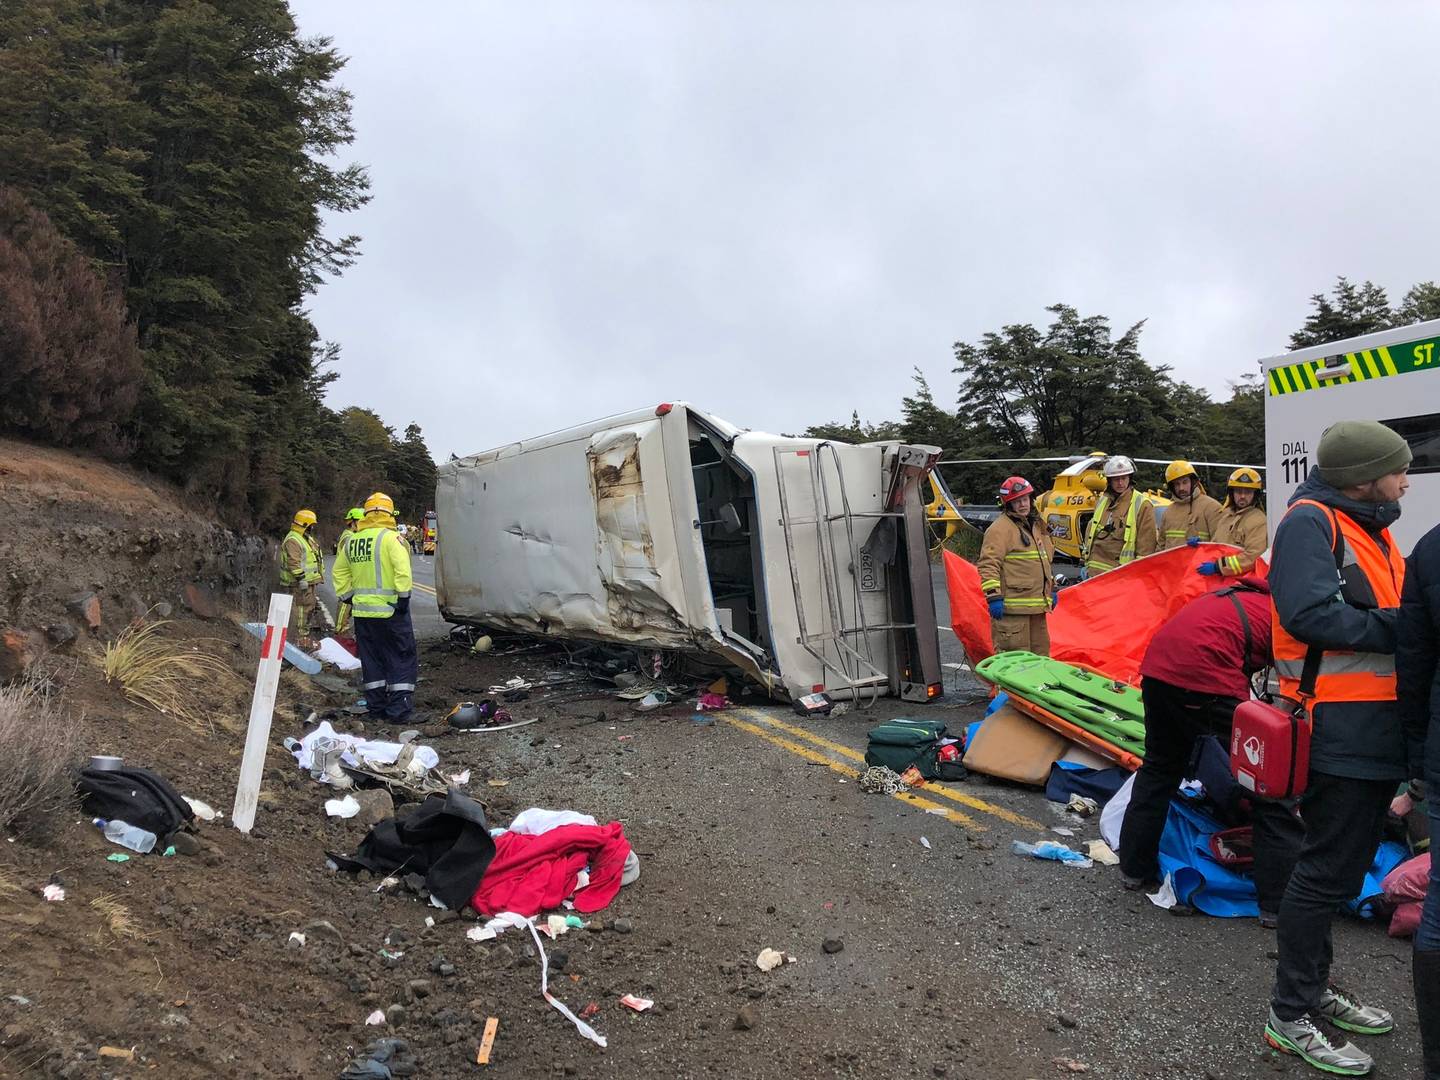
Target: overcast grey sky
[[775, 210]]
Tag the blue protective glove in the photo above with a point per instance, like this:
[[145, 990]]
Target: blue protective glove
[[1210, 568], [1055, 600], [1193, 541], [997, 608]]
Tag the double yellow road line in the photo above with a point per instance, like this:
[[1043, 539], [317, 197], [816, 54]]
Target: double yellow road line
[[822, 751], [426, 589]]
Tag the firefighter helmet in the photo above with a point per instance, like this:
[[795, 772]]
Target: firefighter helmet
[[354, 514], [380, 501], [304, 519], [1177, 469], [1013, 488], [1118, 465], [1245, 478]]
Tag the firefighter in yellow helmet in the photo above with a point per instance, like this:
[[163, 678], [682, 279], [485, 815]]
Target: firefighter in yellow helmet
[[1242, 523], [353, 517], [1122, 528], [1192, 516], [302, 569], [372, 574]]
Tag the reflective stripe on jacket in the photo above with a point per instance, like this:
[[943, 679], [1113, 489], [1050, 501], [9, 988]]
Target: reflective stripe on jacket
[[1198, 515], [1014, 565], [372, 571], [1105, 546], [299, 560], [1370, 577], [1245, 529]]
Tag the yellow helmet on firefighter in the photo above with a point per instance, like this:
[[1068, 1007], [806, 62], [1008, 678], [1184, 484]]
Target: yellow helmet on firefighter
[[304, 519], [1245, 477], [1177, 469], [380, 501]]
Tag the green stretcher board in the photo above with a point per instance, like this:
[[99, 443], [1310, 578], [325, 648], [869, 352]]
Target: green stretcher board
[[1104, 707]]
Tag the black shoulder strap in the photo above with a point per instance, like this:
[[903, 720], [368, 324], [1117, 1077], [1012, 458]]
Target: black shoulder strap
[[1310, 673], [1244, 617]]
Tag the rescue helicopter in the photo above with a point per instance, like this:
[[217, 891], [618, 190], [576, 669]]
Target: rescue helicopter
[[1066, 505]]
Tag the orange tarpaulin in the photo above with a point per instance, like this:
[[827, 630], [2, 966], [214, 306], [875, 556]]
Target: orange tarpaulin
[[1106, 622]]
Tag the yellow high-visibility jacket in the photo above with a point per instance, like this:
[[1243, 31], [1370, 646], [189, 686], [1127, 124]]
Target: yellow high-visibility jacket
[[1120, 531], [372, 570], [300, 561]]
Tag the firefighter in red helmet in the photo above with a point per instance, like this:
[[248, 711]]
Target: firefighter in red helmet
[[1016, 574]]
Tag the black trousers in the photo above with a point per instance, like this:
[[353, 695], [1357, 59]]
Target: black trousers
[[1344, 821], [1174, 719], [389, 665]]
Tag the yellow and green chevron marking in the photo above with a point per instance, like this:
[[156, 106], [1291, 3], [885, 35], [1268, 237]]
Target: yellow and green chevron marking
[[1365, 365]]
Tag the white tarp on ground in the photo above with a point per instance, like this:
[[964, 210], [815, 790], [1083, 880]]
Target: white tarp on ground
[[332, 652]]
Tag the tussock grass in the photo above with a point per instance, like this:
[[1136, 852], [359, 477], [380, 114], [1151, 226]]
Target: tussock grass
[[39, 746], [117, 918], [163, 673]]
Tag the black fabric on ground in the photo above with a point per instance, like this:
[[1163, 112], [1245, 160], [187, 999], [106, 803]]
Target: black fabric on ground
[[136, 796], [446, 839]]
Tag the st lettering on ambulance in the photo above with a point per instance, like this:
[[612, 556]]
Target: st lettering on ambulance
[[1392, 376]]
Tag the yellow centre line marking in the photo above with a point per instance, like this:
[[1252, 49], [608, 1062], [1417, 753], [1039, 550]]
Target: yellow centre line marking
[[423, 588], [855, 755], [820, 759]]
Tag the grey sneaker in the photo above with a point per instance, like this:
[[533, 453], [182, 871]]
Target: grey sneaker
[[1344, 1011], [1305, 1040]]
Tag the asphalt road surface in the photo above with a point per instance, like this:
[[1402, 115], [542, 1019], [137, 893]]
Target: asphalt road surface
[[960, 958]]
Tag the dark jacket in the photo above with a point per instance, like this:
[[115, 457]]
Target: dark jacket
[[1359, 739], [1417, 657], [1202, 648]]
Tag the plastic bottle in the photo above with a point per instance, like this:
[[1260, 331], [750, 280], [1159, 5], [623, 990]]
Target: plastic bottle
[[127, 835]]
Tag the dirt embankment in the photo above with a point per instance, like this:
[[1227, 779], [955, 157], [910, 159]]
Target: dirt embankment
[[77, 526]]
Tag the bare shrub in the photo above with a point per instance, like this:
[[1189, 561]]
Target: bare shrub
[[39, 747]]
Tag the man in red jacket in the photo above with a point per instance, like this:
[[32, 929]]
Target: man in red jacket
[[1195, 672]]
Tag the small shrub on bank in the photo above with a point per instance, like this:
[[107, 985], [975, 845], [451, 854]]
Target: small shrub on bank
[[39, 748], [166, 674]]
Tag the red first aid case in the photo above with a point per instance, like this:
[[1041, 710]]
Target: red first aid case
[[1270, 750]]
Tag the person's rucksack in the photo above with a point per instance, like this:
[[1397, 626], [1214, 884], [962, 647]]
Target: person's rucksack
[[135, 796]]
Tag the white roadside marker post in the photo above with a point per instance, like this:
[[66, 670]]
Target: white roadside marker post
[[262, 710]]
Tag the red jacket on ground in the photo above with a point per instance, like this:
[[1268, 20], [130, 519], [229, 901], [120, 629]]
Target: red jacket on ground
[[1202, 647], [531, 874]]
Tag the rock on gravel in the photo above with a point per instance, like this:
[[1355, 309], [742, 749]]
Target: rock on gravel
[[376, 804], [833, 945], [323, 932], [746, 1018]]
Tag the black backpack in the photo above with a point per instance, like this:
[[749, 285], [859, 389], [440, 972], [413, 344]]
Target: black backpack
[[136, 796]]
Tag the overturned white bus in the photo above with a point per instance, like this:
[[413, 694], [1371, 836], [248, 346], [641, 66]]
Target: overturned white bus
[[801, 562]]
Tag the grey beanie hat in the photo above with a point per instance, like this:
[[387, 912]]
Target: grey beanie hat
[[1355, 452]]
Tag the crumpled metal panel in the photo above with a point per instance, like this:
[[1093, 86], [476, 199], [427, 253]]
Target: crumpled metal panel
[[626, 546]]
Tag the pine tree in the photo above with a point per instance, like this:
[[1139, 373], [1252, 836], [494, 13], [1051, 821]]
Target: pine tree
[[1355, 310]]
